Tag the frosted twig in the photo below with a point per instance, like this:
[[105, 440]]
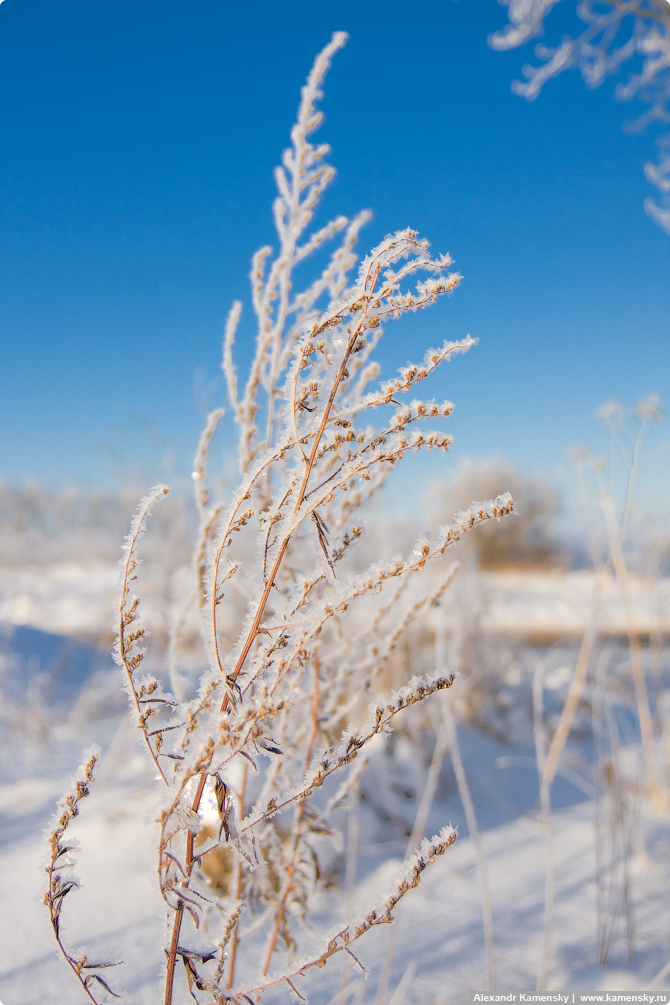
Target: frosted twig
[[127, 653]]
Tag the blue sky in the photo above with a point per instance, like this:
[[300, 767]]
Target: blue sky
[[137, 142]]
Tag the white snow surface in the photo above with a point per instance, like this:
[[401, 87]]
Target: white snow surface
[[434, 954], [436, 948], [76, 599], [65, 597]]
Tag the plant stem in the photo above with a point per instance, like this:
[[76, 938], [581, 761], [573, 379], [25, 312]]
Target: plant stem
[[470, 816], [279, 558], [179, 913], [281, 910], [239, 879], [545, 805]]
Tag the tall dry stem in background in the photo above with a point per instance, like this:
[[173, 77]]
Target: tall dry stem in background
[[296, 638], [614, 841]]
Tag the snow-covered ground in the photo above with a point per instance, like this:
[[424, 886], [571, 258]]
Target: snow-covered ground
[[61, 693], [436, 949], [69, 598], [76, 598], [556, 604]]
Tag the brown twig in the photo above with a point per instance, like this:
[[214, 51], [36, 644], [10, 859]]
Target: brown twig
[[57, 889], [179, 913], [430, 850], [127, 642], [297, 836], [239, 881]]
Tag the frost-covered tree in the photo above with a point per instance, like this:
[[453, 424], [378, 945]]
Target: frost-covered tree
[[616, 31]]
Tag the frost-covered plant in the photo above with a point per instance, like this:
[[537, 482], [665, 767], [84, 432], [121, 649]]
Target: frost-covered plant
[[296, 638], [616, 31], [611, 539]]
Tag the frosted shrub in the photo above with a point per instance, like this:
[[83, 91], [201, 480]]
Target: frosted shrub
[[615, 31], [276, 736]]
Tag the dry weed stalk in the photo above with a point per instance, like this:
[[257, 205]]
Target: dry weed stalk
[[58, 887], [625, 448], [288, 682], [614, 842]]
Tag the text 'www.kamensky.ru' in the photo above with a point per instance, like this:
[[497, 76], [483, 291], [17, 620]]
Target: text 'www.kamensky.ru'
[[571, 998]]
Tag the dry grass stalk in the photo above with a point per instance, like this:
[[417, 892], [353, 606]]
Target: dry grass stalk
[[547, 825], [615, 561], [476, 838], [58, 888], [282, 706], [614, 841], [145, 695]]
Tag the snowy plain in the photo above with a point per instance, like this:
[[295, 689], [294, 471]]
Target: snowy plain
[[61, 692], [75, 598]]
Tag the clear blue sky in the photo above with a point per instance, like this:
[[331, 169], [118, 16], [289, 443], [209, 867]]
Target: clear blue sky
[[137, 142]]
